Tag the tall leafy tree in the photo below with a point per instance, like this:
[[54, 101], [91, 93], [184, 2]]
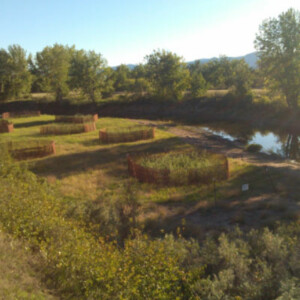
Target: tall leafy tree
[[199, 85], [4, 72], [141, 84], [53, 65], [217, 72], [15, 78], [168, 74], [89, 72], [278, 43], [122, 78], [240, 78]]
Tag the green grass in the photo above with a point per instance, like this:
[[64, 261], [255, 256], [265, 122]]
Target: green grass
[[180, 161], [126, 129], [17, 145]]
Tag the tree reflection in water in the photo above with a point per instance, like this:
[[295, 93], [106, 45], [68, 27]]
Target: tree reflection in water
[[291, 147]]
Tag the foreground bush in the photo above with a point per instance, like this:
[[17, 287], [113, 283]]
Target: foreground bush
[[77, 263]]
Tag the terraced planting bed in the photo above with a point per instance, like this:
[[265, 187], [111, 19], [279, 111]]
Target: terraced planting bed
[[126, 134], [21, 114], [6, 126], [31, 149], [77, 118], [57, 129], [179, 168]]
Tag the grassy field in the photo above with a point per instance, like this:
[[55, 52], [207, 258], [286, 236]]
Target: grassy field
[[88, 173]]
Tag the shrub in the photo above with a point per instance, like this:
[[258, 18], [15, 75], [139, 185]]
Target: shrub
[[78, 264], [257, 265]]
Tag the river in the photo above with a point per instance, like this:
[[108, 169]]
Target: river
[[284, 144]]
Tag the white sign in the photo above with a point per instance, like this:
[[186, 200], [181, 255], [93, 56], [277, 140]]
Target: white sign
[[245, 187]]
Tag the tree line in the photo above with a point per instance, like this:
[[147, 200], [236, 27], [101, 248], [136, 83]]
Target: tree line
[[59, 69]]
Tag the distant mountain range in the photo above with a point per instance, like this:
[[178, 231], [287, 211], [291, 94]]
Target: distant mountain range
[[250, 59]]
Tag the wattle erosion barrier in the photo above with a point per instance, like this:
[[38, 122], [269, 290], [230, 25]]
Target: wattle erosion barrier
[[136, 134], [164, 176], [67, 129], [41, 149], [6, 127], [21, 114], [77, 118]]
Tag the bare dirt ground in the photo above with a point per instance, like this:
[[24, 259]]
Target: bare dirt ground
[[264, 208]]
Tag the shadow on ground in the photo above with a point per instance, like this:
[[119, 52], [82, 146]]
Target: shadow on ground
[[111, 159], [31, 124]]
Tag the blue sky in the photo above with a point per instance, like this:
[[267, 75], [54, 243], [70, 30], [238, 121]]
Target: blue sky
[[126, 31]]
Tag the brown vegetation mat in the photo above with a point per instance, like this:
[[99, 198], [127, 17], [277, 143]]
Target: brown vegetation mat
[[6, 126], [132, 135], [77, 119], [21, 114], [191, 176], [31, 149]]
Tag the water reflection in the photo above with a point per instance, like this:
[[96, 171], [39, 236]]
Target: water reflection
[[281, 143], [291, 147]]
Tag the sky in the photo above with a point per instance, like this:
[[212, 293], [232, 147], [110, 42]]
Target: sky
[[126, 31]]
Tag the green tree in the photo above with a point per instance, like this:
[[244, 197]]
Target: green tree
[[217, 72], [88, 72], [199, 85], [141, 85], [122, 78], [278, 43], [15, 78], [53, 65], [240, 78], [167, 74]]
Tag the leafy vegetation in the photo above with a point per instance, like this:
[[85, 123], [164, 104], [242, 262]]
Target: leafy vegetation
[[167, 74], [278, 43], [15, 78], [53, 65], [20, 277]]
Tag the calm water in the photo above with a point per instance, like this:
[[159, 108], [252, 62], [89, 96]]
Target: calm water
[[284, 144]]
